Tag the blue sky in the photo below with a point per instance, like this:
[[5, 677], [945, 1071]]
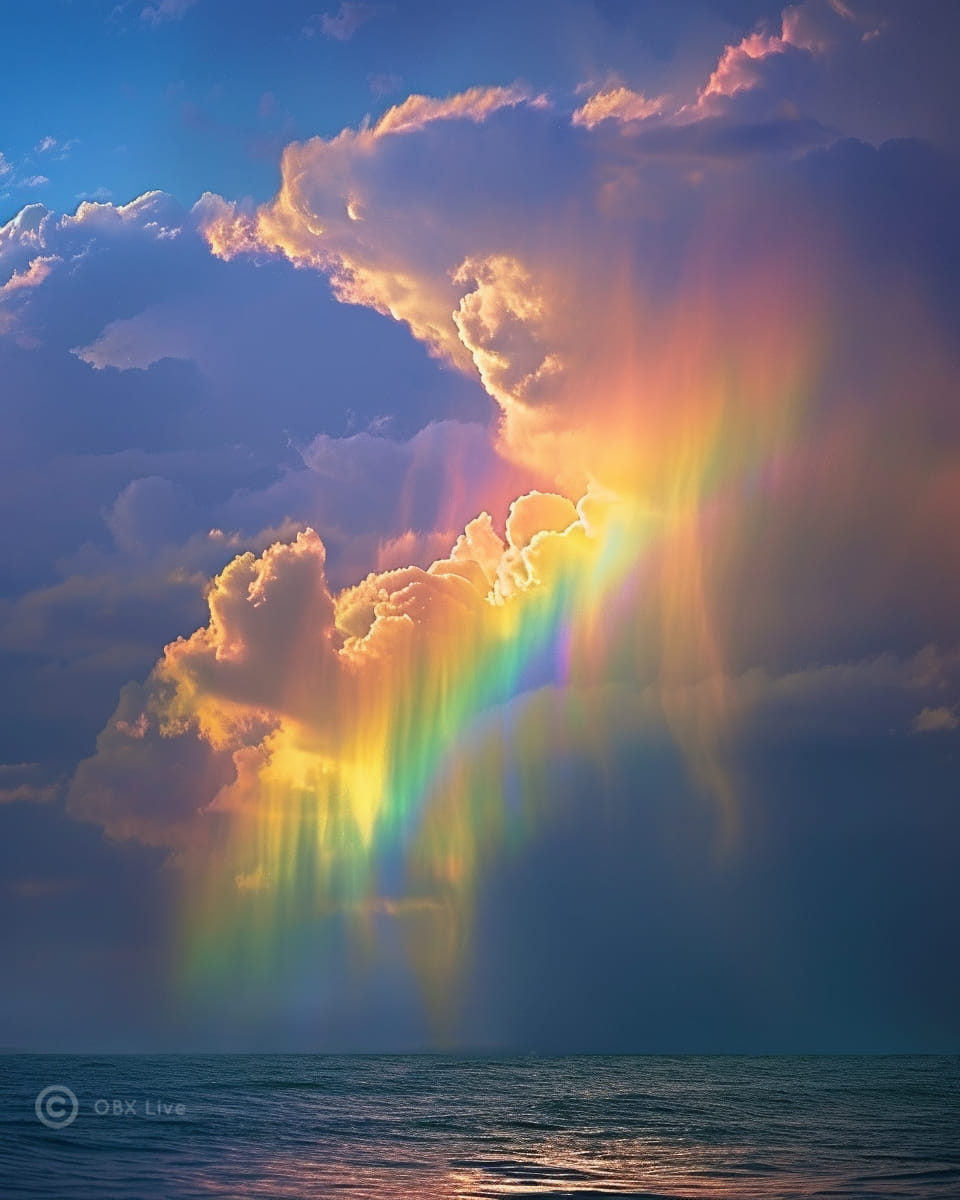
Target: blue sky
[[205, 99], [203, 96]]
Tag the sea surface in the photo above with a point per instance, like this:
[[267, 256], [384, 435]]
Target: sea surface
[[429, 1126]]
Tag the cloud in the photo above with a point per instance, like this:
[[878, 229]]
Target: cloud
[[337, 657], [37, 271], [475, 104], [693, 364], [618, 103], [738, 68], [365, 240], [60, 149], [29, 793], [5, 166], [935, 720], [344, 23], [166, 10], [102, 570], [755, 80], [610, 264], [836, 701], [805, 27], [384, 84], [230, 231], [19, 784], [33, 275]]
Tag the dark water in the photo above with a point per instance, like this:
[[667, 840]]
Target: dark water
[[427, 1126]]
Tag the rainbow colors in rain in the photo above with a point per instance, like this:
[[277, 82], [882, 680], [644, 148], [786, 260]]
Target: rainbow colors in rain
[[423, 716]]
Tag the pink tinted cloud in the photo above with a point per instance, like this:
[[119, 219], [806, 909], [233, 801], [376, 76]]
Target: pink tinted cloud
[[620, 103]]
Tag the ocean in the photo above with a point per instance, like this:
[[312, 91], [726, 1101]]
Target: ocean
[[424, 1126]]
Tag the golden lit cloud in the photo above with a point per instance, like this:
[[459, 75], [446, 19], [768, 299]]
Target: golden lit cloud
[[658, 354]]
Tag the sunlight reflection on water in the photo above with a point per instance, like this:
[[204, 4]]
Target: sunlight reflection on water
[[428, 1126]]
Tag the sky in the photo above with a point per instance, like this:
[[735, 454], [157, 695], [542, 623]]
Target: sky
[[479, 562]]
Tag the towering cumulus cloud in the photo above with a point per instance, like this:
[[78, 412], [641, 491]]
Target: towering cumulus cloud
[[669, 305]]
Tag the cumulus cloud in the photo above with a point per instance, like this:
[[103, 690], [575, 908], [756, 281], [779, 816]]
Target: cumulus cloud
[[391, 287], [168, 469], [336, 213], [810, 27], [286, 673], [754, 81], [35, 241], [605, 374], [693, 385], [738, 68], [333, 214], [36, 272], [31, 276]]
